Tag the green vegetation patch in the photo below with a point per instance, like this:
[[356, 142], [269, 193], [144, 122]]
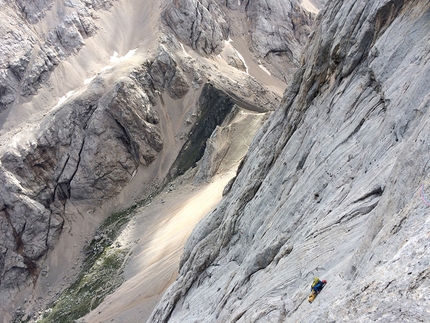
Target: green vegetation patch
[[90, 290], [100, 276]]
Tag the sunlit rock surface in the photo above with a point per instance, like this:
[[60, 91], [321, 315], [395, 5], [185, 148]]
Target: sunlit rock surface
[[97, 99], [333, 185]]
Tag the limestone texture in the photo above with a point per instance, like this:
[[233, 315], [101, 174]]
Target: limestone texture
[[28, 54], [87, 151], [103, 102], [333, 186]]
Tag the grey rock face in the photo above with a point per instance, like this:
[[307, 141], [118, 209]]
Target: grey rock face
[[86, 151], [99, 4], [28, 230], [278, 29], [27, 58], [199, 24], [166, 75], [34, 11], [330, 187], [90, 147], [8, 86], [31, 76]]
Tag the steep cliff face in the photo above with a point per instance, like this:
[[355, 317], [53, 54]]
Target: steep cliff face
[[31, 48], [97, 99], [330, 187], [275, 31]]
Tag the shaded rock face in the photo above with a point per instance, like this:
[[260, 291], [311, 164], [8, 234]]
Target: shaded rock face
[[330, 187], [214, 106]]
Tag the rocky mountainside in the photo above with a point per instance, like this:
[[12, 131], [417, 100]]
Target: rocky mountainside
[[334, 185], [103, 102]]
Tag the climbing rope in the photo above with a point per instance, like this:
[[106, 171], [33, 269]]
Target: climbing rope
[[425, 200], [330, 293]]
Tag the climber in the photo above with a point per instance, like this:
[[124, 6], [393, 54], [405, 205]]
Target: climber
[[316, 288], [318, 285]]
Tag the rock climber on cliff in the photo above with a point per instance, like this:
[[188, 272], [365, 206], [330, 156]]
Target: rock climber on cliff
[[316, 287]]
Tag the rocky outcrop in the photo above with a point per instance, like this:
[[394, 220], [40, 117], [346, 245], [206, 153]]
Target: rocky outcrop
[[166, 75], [199, 24], [86, 151], [330, 187], [28, 230], [228, 143], [278, 30], [214, 106], [27, 57]]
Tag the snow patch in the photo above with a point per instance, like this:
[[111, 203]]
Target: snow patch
[[64, 99], [264, 69], [114, 59], [183, 49], [107, 67], [242, 59], [88, 81]]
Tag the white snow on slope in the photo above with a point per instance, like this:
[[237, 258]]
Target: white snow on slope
[[229, 41], [183, 49], [63, 99], [113, 61], [264, 69]]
